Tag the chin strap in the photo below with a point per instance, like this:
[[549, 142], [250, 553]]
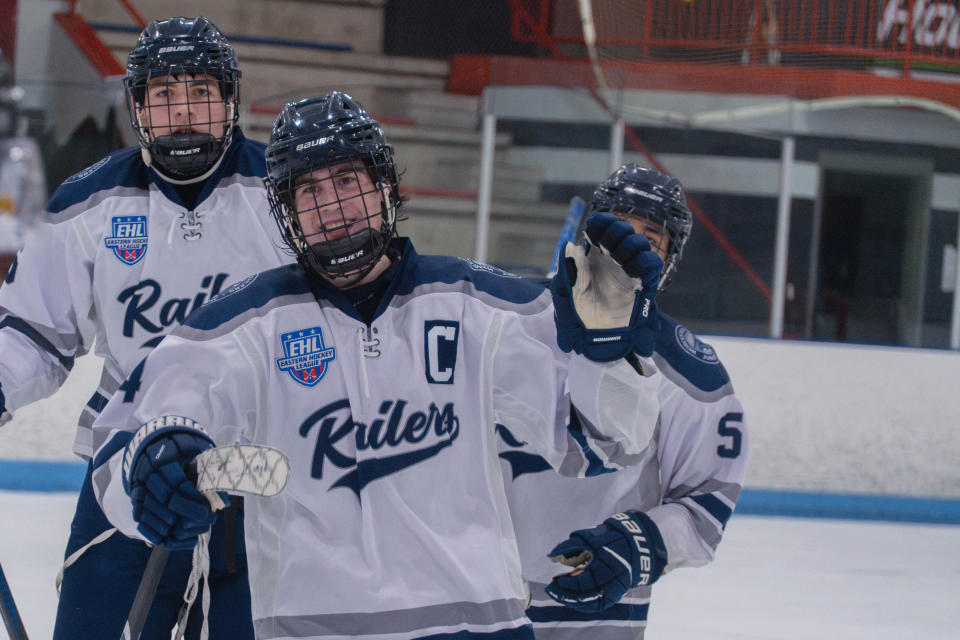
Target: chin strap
[[148, 160]]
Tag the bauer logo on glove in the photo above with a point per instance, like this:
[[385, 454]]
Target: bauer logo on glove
[[623, 552], [604, 293]]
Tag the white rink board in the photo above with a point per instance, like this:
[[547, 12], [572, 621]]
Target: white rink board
[[848, 418], [821, 416]]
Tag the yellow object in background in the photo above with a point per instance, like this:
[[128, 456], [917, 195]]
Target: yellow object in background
[[7, 204]]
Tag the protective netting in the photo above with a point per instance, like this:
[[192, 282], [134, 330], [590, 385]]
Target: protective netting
[[837, 34], [807, 49]]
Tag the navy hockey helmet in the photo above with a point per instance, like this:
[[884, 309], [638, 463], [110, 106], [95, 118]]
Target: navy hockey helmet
[[333, 185], [638, 192], [174, 51]]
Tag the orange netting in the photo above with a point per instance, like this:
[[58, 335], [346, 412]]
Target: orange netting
[[840, 34], [807, 49]]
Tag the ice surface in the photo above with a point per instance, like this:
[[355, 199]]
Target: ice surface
[[774, 578]]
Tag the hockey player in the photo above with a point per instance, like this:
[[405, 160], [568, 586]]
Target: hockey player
[[381, 373], [128, 247], [674, 503]]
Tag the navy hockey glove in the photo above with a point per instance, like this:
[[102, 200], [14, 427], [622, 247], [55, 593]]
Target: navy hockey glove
[[167, 506], [624, 552], [604, 295]]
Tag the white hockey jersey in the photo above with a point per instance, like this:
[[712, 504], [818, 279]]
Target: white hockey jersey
[[688, 483], [394, 521], [118, 260]]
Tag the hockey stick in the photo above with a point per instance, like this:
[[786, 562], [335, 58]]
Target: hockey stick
[[145, 592], [250, 469], [568, 232], [11, 617]]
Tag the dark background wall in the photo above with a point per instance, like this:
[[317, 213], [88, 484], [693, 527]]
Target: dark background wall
[[440, 28]]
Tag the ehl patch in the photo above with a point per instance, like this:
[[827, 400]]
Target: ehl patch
[[306, 359], [129, 239]]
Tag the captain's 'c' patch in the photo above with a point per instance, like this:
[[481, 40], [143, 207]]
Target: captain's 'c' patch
[[440, 339]]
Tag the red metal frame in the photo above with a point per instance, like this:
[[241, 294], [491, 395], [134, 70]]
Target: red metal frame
[[542, 37], [8, 31], [126, 5], [837, 32], [78, 30], [837, 37]]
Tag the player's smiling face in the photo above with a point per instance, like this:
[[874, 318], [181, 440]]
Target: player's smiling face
[[184, 104], [336, 201]]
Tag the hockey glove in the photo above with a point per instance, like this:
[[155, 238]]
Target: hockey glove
[[167, 506], [612, 558], [604, 295]]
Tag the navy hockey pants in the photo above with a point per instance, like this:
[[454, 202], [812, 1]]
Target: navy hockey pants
[[98, 588]]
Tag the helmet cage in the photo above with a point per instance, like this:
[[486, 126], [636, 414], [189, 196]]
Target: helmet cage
[[334, 148], [177, 51], [645, 194], [347, 247]]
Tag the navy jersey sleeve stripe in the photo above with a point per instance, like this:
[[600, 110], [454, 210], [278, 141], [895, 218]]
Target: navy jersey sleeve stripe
[[97, 402], [116, 443], [21, 325], [715, 507], [620, 611]]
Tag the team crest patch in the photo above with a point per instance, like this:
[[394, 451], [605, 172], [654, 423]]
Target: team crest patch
[[479, 266], [235, 287], [129, 239], [692, 345], [305, 357], [80, 175]]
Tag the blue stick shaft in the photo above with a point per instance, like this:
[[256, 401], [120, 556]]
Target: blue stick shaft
[[11, 617], [569, 230]]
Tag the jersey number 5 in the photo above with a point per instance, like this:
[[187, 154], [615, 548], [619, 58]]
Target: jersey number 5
[[735, 435]]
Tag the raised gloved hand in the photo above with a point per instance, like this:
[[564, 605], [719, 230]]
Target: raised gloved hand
[[604, 293], [625, 551], [167, 506]]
